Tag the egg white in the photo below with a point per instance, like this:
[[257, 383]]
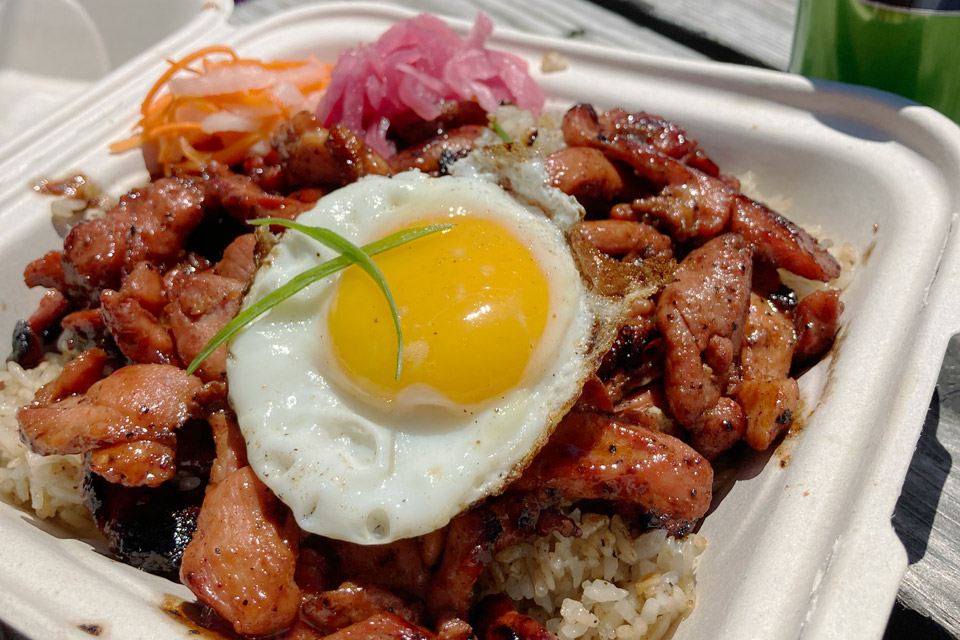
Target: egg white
[[357, 470]]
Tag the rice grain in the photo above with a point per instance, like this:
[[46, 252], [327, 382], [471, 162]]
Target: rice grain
[[605, 584], [48, 485]]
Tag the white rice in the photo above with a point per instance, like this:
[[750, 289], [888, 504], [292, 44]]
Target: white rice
[[48, 485], [541, 133], [607, 583]]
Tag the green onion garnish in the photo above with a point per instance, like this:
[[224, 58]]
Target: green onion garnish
[[355, 255], [350, 254], [499, 131]]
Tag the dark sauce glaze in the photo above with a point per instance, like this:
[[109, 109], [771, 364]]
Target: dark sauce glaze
[[73, 187], [92, 629], [199, 620]]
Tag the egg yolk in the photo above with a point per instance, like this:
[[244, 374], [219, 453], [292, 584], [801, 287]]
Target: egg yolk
[[473, 304]]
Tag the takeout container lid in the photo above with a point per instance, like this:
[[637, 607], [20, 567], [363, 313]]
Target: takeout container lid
[[802, 544], [53, 50]]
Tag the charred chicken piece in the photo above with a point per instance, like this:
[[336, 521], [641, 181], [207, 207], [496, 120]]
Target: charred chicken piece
[[409, 129], [311, 156], [31, 336], [497, 619], [692, 203], [437, 154], [148, 527]]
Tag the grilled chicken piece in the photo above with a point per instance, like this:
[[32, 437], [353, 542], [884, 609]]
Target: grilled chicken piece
[[592, 456], [203, 302], [304, 159], [149, 224], [46, 271], [497, 619], [768, 342], [409, 129], [137, 332], [145, 284], [130, 317], [200, 305], [584, 173], [626, 238], [239, 259], [436, 154], [692, 203], [769, 397], [149, 527], [352, 602], [718, 428], [771, 406], [816, 320], [382, 626], [353, 156], [77, 377], [243, 556], [311, 156], [781, 242], [243, 199], [665, 136], [146, 463], [687, 217], [702, 316], [137, 402], [476, 536]]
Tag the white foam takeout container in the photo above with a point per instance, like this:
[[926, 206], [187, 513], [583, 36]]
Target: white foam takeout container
[[802, 545]]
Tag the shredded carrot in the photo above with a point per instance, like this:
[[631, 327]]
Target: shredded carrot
[[171, 126]]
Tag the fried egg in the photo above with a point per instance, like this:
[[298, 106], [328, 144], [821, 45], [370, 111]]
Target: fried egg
[[499, 333]]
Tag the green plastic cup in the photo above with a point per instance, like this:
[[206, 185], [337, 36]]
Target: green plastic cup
[[908, 47]]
